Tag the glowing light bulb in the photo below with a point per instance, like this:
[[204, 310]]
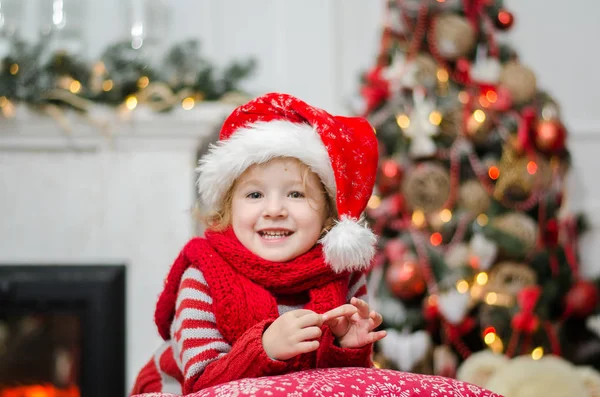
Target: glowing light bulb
[[403, 121], [418, 218], [482, 278], [131, 102], [537, 353]]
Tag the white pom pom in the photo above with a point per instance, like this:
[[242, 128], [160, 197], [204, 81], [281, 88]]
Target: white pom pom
[[349, 246], [525, 377], [480, 366]]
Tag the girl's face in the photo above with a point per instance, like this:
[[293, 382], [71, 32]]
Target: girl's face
[[275, 212]]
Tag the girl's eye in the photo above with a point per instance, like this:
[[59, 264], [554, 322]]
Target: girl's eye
[[296, 194], [254, 195]]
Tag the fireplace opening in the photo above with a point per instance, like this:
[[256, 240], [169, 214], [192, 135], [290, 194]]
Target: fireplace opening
[[62, 331], [40, 353]]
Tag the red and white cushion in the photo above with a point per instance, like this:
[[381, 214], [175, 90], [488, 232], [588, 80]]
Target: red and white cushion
[[347, 382]]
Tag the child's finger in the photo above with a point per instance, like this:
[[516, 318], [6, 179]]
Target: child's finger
[[375, 336], [338, 325], [300, 312], [343, 310], [306, 347], [310, 319], [309, 333], [362, 306], [333, 322], [376, 317]]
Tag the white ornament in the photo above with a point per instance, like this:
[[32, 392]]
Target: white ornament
[[400, 73], [444, 361], [593, 324], [486, 69], [420, 129], [484, 249], [457, 255], [453, 305], [394, 20], [405, 350], [392, 310]]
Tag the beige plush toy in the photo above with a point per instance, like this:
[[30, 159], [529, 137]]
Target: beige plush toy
[[525, 377]]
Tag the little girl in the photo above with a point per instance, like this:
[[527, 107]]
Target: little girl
[[277, 283]]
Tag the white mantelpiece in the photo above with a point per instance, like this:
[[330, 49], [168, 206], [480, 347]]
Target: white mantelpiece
[[83, 198]]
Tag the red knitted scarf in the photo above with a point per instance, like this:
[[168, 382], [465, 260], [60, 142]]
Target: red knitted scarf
[[243, 285]]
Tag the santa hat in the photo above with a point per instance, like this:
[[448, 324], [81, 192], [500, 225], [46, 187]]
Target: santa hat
[[342, 151]]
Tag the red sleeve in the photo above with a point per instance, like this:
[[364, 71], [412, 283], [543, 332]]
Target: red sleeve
[[247, 359], [332, 356]]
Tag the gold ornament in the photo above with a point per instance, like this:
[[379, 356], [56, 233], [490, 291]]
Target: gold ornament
[[479, 126], [519, 174], [473, 197], [509, 278], [518, 225], [426, 70], [451, 123], [520, 81], [427, 187], [454, 36]]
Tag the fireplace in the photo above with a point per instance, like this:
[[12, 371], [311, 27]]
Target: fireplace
[[62, 331]]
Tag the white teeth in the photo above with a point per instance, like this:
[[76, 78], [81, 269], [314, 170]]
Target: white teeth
[[274, 235]]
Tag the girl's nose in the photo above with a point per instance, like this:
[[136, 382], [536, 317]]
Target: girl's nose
[[275, 208]]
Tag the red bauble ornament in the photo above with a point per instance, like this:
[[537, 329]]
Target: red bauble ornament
[[550, 136], [581, 300], [395, 250], [405, 279], [504, 20], [390, 176]]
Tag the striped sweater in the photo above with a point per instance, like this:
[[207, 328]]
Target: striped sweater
[[197, 353]]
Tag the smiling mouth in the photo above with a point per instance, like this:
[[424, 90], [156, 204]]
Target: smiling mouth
[[274, 234]]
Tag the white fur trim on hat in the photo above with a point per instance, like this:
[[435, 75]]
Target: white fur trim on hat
[[258, 143], [349, 245]]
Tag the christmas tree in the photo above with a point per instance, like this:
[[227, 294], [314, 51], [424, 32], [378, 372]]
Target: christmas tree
[[477, 247]]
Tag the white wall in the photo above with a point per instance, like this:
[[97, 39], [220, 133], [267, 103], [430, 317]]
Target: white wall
[[311, 48]]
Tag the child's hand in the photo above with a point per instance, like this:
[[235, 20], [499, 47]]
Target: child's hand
[[292, 333], [353, 324]]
